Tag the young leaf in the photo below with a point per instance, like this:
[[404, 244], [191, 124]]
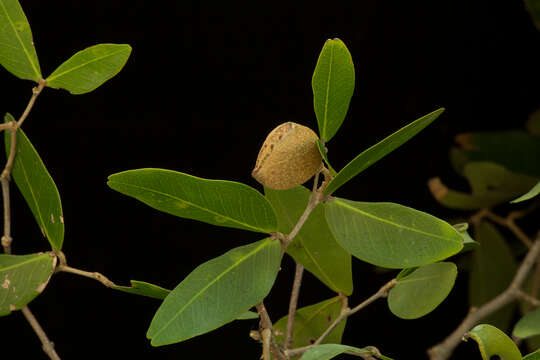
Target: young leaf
[[217, 292], [314, 246], [216, 202], [380, 150], [529, 194], [89, 68], [248, 315], [493, 267], [333, 86], [330, 351], [37, 187], [493, 342], [422, 291], [17, 52], [515, 150], [145, 289], [391, 235], [311, 321], [528, 326], [468, 242], [22, 278], [533, 356]]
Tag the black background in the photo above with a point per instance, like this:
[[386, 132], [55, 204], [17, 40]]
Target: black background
[[204, 85]]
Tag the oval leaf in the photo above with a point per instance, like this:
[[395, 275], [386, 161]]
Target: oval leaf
[[493, 268], [314, 246], [380, 150], [533, 356], [333, 86], [330, 351], [22, 278], [144, 289], [17, 52], [89, 68], [311, 321], [529, 325], [391, 235], [529, 194], [492, 341], [217, 292], [422, 291], [37, 187], [216, 202]]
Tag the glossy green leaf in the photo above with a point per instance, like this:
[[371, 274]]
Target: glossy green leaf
[[533, 356], [391, 235], [145, 289], [311, 321], [421, 292], [217, 292], [89, 68], [324, 155], [22, 278], [330, 351], [493, 268], [516, 150], [468, 242], [493, 342], [248, 315], [380, 150], [529, 194], [216, 202], [37, 187], [17, 52], [528, 325], [314, 246], [333, 86]]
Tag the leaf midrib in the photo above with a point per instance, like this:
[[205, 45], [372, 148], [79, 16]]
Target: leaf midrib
[[329, 78], [194, 205], [36, 258], [198, 294], [52, 78], [37, 73], [343, 204]]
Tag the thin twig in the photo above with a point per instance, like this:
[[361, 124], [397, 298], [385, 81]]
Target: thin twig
[[48, 346], [268, 341], [293, 303], [92, 275], [508, 222], [443, 350], [345, 312], [528, 298]]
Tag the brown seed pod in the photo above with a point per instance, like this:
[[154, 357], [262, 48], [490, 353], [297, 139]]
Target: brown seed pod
[[289, 157]]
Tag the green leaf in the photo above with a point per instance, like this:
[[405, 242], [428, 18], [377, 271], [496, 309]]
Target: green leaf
[[380, 150], [468, 242], [333, 86], [493, 268], [311, 321], [422, 291], [17, 52], [529, 325], [492, 341], [37, 187], [329, 351], [529, 194], [89, 68], [324, 155], [248, 315], [145, 289], [22, 278], [515, 150], [314, 246], [533, 356], [391, 235], [217, 292], [216, 202]]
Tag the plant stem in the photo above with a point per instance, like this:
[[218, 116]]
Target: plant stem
[[265, 326], [293, 303], [92, 275], [508, 222], [533, 301], [443, 350], [48, 346]]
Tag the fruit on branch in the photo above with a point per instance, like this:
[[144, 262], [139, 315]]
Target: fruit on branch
[[288, 157]]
